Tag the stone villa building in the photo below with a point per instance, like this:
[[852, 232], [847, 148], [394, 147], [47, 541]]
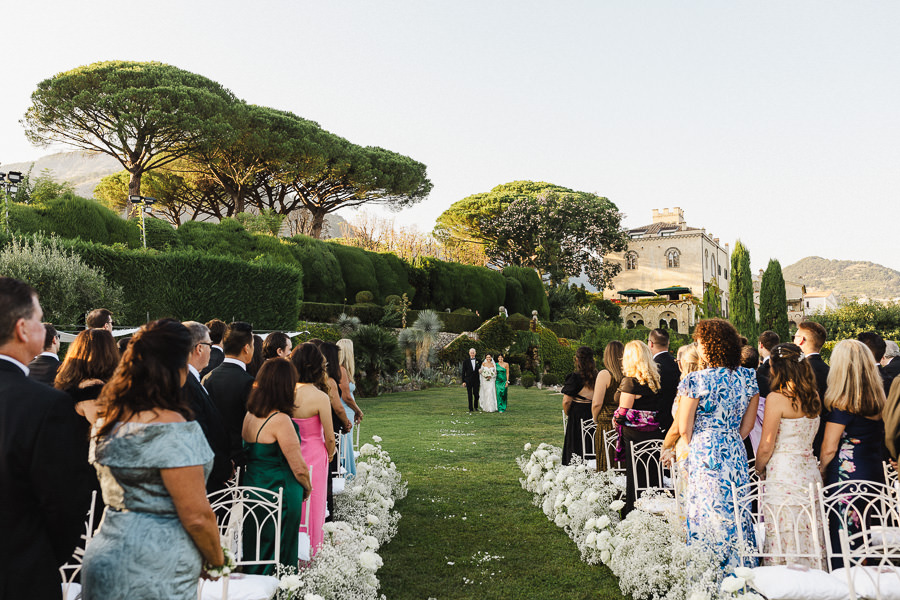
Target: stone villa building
[[666, 269]]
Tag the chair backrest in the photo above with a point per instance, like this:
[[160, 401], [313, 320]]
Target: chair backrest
[[890, 476], [356, 429], [646, 464], [870, 559], [69, 571], [338, 443], [588, 432], [855, 506], [785, 520], [235, 479], [565, 422], [243, 508], [610, 438]]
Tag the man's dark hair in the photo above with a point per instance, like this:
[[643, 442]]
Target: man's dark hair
[[216, 331], [769, 339], [814, 332], [98, 318], [16, 302], [238, 335], [122, 344], [875, 343], [749, 357], [50, 335], [660, 337]]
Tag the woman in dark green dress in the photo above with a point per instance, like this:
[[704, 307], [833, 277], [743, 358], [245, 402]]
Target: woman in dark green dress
[[502, 382], [274, 462]]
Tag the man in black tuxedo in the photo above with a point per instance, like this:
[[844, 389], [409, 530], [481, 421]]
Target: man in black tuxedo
[[891, 360], [811, 337], [767, 340], [470, 379], [205, 412], [876, 344], [669, 374], [229, 385], [44, 473], [45, 365], [216, 353]]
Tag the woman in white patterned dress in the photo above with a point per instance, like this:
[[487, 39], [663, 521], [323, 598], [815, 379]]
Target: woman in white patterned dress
[[487, 396], [785, 456]]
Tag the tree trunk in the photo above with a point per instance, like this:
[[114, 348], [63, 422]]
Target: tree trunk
[[134, 189], [318, 223]]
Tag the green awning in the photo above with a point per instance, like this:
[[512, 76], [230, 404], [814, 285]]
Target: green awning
[[675, 289], [636, 293]]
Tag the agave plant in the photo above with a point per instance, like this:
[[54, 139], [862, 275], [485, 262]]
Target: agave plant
[[347, 323], [427, 328]]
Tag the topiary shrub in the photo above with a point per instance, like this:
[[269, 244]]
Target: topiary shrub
[[392, 300], [364, 297], [70, 216], [322, 331], [160, 235], [495, 333], [549, 379], [458, 350], [527, 379], [525, 291], [557, 356], [519, 322], [515, 372]]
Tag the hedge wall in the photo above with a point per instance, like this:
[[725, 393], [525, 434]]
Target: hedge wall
[[525, 292], [318, 312], [71, 216], [453, 285], [192, 285], [322, 279]]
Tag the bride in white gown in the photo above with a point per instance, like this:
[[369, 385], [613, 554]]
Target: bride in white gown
[[487, 391]]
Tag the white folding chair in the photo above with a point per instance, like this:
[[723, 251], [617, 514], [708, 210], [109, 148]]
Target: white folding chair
[[890, 476], [238, 510], [304, 543], [647, 467], [751, 464], [610, 438], [235, 479], [868, 517], [356, 429], [69, 571], [588, 437], [338, 481], [565, 422]]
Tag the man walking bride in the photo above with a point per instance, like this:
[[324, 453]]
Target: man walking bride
[[488, 391]]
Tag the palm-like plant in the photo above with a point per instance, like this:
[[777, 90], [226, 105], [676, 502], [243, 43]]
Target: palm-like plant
[[427, 328], [376, 353]]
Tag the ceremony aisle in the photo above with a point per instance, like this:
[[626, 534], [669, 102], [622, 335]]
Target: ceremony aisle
[[468, 530]]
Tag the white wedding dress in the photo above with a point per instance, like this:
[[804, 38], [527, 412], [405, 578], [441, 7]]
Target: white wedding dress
[[487, 391]]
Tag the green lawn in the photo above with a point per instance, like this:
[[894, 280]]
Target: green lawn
[[468, 529]]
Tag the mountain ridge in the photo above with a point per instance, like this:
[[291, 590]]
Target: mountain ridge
[[847, 278]]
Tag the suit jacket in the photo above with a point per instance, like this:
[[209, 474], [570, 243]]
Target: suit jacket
[[43, 369], [44, 485], [470, 375], [669, 376], [229, 386], [216, 357], [891, 414], [886, 380], [210, 420], [820, 370], [762, 379], [893, 367]]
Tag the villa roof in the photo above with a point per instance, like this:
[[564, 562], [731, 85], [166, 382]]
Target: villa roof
[[659, 228]]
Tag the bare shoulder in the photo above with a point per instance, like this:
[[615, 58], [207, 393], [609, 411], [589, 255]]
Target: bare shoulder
[[163, 416]]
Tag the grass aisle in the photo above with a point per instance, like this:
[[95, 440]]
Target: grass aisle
[[468, 529]]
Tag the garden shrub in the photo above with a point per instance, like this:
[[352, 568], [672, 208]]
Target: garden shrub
[[527, 379], [160, 235], [495, 333], [557, 356], [392, 300], [453, 285], [376, 353], [322, 331], [515, 372], [565, 329], [533, 296], [519, 321], [356, 269], [464, 311], [364, 297], [549, 379], [319, 312], [70, 216], [322, 279], [392, 274], [458, 350]]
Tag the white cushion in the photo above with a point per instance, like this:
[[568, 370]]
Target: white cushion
[[884, 536], [303, 546], [71, 591], [786, 583], [356, 454], [657, 505], [240, 587], [592, 463], [337, 485], [873, 582]]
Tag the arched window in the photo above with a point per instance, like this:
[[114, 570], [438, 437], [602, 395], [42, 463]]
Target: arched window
[[673, 258], [631, 261]]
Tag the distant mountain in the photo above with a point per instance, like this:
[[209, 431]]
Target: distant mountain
[[81, 169], [848, 278]]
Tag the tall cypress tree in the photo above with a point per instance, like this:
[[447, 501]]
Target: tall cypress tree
[[742, 313], [773, 301]]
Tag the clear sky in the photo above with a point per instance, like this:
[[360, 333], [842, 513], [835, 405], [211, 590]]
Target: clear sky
[[774, 122]]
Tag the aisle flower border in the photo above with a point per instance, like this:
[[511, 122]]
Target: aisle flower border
[[346, 563], [646, 552]]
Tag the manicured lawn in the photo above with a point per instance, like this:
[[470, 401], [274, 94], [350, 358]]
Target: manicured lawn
[[468, 529]]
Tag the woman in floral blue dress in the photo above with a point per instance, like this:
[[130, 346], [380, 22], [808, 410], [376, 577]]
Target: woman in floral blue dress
[[717, 410]]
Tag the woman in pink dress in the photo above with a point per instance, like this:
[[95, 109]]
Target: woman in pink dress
[[312, 414]]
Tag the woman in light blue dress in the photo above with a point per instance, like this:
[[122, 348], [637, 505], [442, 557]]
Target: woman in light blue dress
[[717, 410], [152, 464], [348, 398]]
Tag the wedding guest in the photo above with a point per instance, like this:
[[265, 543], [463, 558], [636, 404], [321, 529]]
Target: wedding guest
[[606, 397], [785, 456], [875, 343], [578, 394], [99, 318], [258, 358], [275, 462], [470, 380], [688, 362], [45, 365], [891, 360], [354, 413], [502, 383], [891, 416], [749, 357], [716, 411], [90, 362], [122, 344], [638, 416], [158, 527], [312, 414], [44, 477], [340, 421], [277, 344], [217, 331], [229, 384], [204, 410], [811, 337], [854, 433], [766, 341], [669, 376], [487, 386]]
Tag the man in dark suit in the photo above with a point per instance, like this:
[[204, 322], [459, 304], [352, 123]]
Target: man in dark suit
[[811, 337], [216, 353], [45, 365], [891, 360], [205, 412], [876, 344], [44, 473], [766, 341], [470, 380], [229, 385], [99, 318], [669, 374]]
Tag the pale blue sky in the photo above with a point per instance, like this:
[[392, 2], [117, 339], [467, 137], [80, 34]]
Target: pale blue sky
[[774, 122]]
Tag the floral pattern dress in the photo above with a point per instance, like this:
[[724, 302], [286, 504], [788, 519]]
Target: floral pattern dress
[[717, 458]]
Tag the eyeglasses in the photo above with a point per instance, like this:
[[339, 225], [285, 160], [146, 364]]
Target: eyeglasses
[[210, 344]]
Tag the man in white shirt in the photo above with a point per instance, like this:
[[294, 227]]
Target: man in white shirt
[[470, 369]]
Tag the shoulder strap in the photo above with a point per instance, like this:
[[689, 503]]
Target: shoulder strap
[[264, 424]]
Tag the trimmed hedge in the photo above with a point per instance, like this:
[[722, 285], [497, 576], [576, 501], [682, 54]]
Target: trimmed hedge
[[318, 312], [357, 270], [565, 330], [557, 356], [70, 216], [528, 295], [453, 285], [322, 279], [192, 285]]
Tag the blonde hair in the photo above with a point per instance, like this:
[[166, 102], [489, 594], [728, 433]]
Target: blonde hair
[[689, 359], [346, 358], [854, 384], [638, 363]]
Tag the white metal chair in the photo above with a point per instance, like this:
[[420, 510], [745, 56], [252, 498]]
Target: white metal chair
[[240, 509], [69, 571], [610, 439], [890, 477], [356, 429], [304, 543], [588, 441], [235, 479], [338, 481], [565, 422], [650, 476]]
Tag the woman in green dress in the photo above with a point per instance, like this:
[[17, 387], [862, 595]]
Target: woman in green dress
[[502, 382], [274, 461]]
